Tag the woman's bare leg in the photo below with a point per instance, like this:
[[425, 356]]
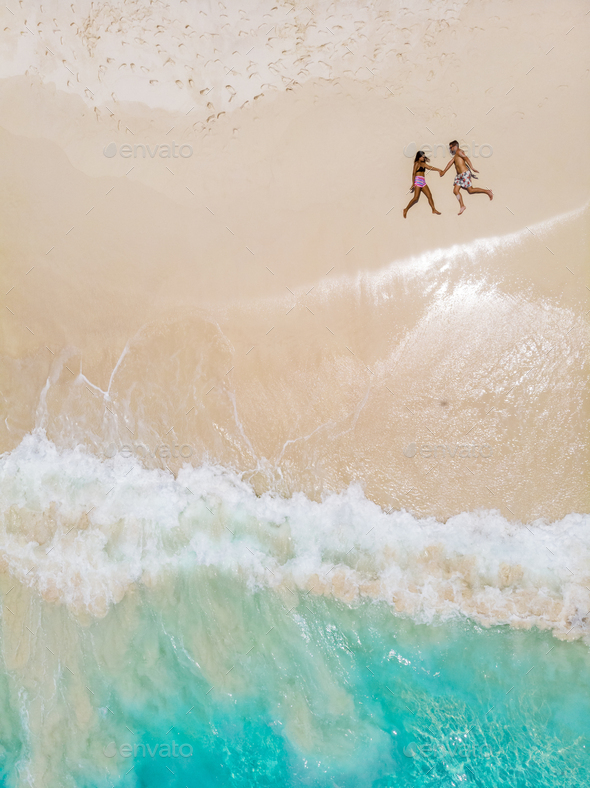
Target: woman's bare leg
[[428, 194], [414, 200]]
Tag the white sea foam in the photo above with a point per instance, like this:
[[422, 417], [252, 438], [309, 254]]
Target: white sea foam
[[82, 532]]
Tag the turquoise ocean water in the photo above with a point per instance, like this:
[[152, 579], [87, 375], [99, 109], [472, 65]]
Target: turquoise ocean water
[[186, 632]]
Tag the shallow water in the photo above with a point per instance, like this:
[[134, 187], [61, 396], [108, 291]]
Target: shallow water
[[280, 641], [208, 682]]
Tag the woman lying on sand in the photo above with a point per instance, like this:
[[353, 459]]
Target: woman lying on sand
[[419, 181]]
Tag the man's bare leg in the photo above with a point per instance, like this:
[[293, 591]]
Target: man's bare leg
[[473, 190], [413, 201], [458, 195], [428, 194]]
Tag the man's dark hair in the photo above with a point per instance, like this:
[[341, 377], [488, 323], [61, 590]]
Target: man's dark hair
[[453, 142]]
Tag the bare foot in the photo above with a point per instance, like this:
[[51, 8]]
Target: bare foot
[[436, 212], [405, 212], [491, 194], [461, 209]]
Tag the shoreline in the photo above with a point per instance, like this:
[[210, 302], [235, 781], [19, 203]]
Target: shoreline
[[84, 533]]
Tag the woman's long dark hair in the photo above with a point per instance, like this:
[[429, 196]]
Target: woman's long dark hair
[[419, 156]]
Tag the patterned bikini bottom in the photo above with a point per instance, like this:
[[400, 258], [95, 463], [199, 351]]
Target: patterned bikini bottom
[[419, 181]]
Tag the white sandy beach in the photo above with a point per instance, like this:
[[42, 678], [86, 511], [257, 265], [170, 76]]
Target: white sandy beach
[[277, 248]]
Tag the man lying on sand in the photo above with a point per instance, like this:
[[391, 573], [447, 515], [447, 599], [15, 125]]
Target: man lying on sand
[[463, 178]]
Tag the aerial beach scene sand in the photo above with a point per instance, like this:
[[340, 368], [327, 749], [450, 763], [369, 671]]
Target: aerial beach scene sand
[[293, 486]]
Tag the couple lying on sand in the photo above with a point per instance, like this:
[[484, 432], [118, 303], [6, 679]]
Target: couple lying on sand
[[462, 180]]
